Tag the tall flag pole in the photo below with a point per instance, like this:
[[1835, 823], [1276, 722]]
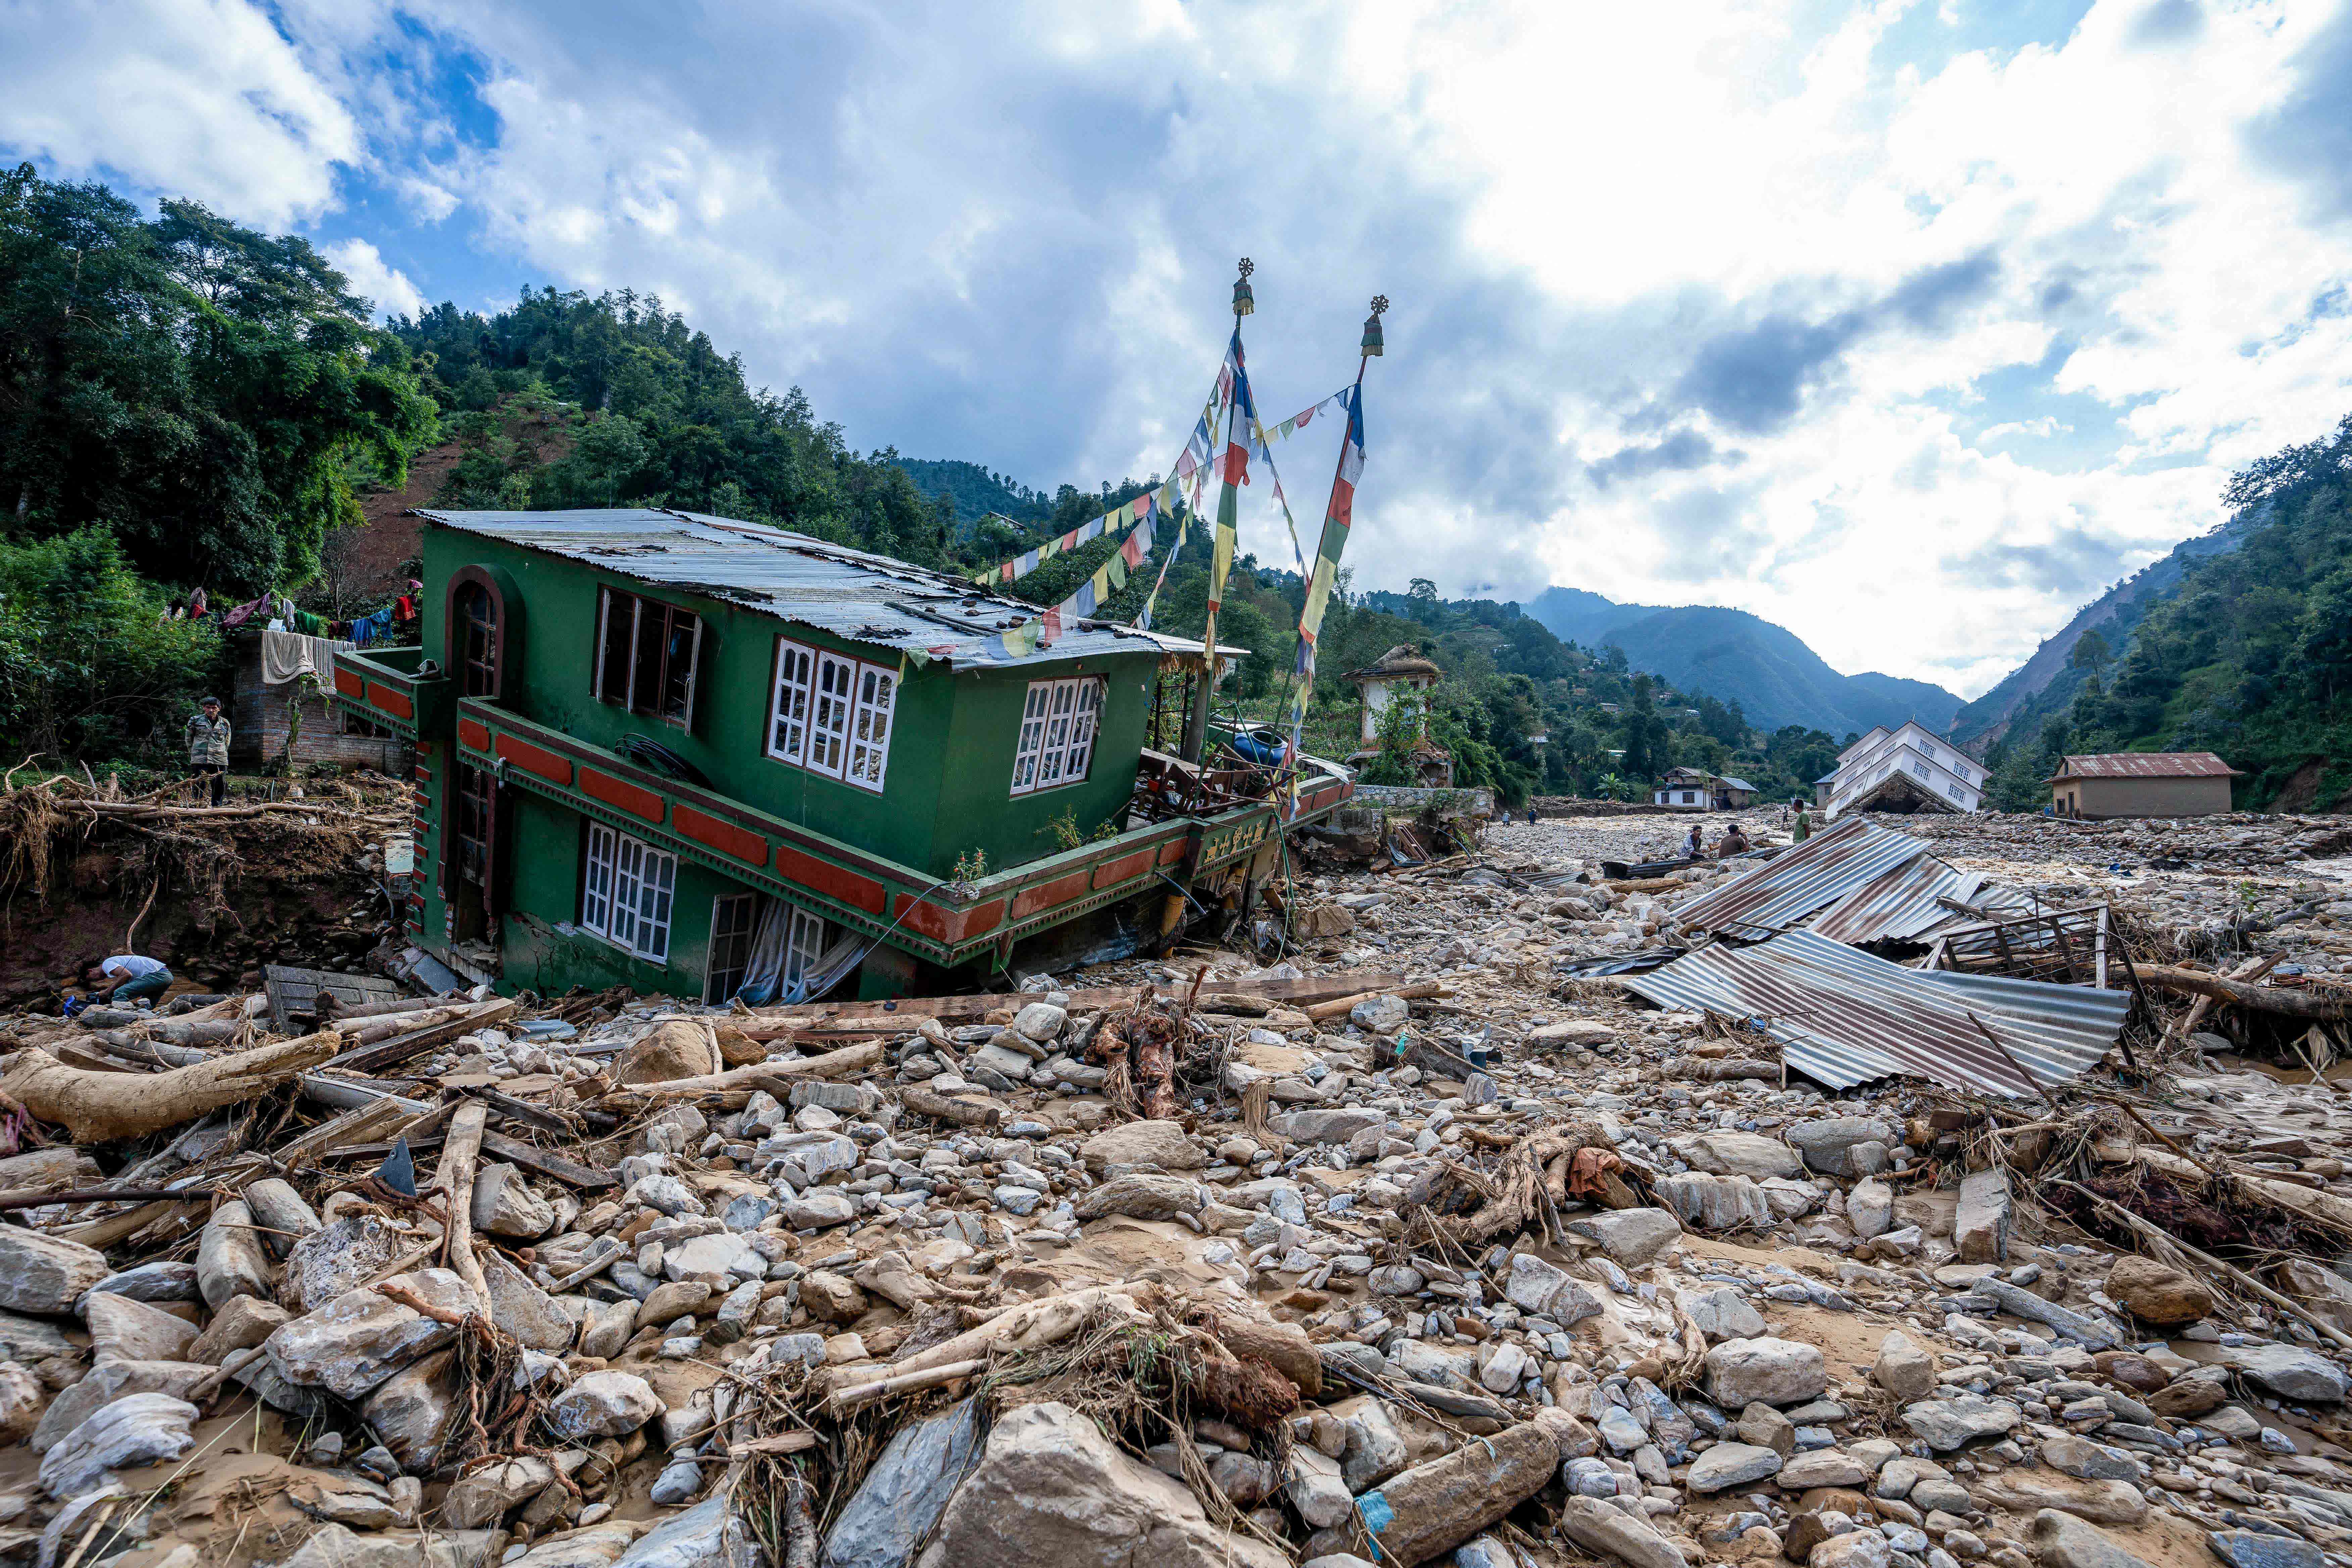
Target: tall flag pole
[[1241, 439], [1338, 518]]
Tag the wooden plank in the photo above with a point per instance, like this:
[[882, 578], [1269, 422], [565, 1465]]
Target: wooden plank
[[894, 1017], [532, 1157], [401, 1047]]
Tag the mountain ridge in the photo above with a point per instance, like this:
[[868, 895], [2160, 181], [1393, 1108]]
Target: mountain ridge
[[1733, 655]]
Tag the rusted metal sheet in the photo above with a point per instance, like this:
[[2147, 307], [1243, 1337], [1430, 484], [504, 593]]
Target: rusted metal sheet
[[1843, 1018], [1868, 883], [1831, 865], [2144, 766]]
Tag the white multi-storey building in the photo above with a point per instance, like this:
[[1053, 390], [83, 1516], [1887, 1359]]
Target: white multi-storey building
[[1904, 769]]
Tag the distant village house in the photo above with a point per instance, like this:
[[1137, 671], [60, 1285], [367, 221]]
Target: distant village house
[[1905, 769], [1691, 789], [2141, 783]]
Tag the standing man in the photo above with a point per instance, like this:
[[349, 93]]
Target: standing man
[[1804, 824], [127, 976], [208, 746]]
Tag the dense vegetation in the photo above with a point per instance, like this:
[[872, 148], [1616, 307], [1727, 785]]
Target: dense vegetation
[[635, 407], [971, 492], [184, 403], [190, 387], [2250, 655]]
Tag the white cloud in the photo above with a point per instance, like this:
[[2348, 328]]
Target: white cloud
[[191, 98], [373, 278], [1724, 302]]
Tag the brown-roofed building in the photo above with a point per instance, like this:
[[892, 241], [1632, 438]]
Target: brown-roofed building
[[2141, 783]]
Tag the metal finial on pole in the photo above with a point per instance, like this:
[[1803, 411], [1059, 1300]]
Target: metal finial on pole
[[1244, 302]]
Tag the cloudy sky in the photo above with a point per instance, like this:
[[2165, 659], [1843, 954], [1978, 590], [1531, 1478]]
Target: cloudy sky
[[1909, 325]]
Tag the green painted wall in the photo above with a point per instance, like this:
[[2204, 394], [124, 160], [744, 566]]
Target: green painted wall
[[948, 788], [548, 841]]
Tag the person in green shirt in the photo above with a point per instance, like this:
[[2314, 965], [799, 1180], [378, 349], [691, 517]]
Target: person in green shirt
[[1804, 825]]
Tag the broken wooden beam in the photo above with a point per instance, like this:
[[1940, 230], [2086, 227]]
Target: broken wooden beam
[[402, 1048]]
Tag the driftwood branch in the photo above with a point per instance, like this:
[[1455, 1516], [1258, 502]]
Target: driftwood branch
[[2277, 999], [95, 1106]]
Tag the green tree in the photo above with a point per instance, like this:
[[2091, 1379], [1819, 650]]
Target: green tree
[[199, 388]]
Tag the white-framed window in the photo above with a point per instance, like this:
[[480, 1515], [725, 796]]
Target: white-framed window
[[1056, 744], [646, 653], [869, 726], [804, 946], [831, 715], [626, 892], [1033, 736], [789, 712], [734, 920]]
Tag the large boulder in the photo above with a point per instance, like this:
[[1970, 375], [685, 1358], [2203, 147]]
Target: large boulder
[[603, 1404], [1948, 1423], [1608, 1531], [1903, 1369], [415, 1410], [1981, 1223], [1445, 1502], [1764, 1370], [2156, 1294], [2101, 1503], [1732, 1465], [1630, 1238], [1844, 1145], [666, 1052], [124, 1330], [137, 1429], [2061, 1541], [45, 1274], [1546, 1290], [108, 1382], [898, 1504], [1050, 1491], [338, 1258], [1715, 1203], [230, 1259], [1749, 1154], [2289, 1372], [1163, 1143], [360, 1338]]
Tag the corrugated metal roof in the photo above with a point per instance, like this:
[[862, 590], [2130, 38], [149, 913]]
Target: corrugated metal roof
[[1905, 904], [852, 594], [1828, 867], [1843, 1018], [1739, 784], [2144, 766]]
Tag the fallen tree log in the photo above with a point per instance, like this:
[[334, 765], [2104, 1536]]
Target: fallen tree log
[[95, 1106], [759, 1075], [2278, 999], [2319, 1207]]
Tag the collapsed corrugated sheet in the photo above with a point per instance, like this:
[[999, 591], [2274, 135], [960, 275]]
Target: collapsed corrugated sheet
[[1868, 883], [1843, 1018], [854, 595], [1824, 869]]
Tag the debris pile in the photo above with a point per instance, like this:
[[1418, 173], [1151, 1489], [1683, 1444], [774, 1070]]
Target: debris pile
[[1430, 1242]]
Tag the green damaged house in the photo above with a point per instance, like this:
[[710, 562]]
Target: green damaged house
[[708, 758]]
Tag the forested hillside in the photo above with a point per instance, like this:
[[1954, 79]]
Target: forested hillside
[[1771, 671], [2247, 653], [187, 404], [972, 492]]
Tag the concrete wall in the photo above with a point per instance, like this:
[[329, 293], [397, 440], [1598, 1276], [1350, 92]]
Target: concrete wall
[[258, 716], [2142, 796]]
